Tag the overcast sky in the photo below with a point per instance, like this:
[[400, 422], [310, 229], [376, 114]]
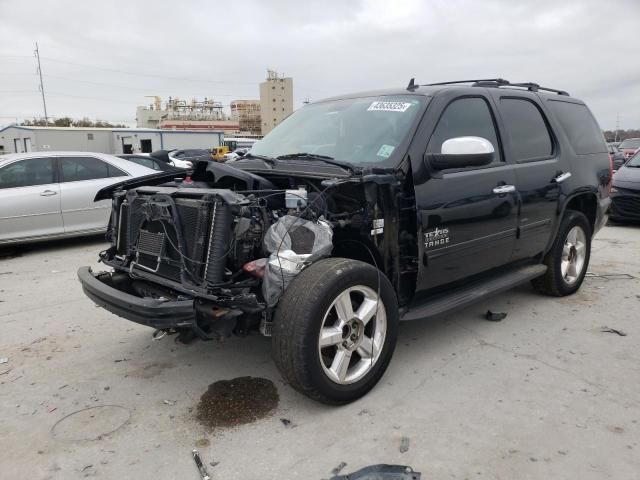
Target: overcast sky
[[100, 59]]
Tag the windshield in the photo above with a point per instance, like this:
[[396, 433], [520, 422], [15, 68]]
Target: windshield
[[355, 130], [630, 143]]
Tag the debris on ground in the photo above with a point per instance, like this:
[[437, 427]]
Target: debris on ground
[[202, 443], [228, 403], [285, 421], [3, 360], [389, 472], [6, 371], [606, 329], [404, 444], [169, 402], [214, 464], [201, 468], [337, 469], [495, 316]]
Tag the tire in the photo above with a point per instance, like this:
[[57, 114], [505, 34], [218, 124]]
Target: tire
[[315, 301], [561, 280]]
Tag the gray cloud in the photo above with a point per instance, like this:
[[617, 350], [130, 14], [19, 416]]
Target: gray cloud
[[222, 50]]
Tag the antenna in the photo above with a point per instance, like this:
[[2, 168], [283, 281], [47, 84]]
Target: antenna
[[412, 85], [44, 103]]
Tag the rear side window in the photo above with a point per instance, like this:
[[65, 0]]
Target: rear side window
[[527, 129], [469, 116], [582, 130], [76, 169], [27, 173]]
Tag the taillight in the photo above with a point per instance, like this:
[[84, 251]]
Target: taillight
[[256, 267]]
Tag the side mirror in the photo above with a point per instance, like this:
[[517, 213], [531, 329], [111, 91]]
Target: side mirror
[[461, 152]]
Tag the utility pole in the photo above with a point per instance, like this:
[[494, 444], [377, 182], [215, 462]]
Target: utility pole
[[615, 136], [44, 102]]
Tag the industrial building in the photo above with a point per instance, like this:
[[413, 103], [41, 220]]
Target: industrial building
[[276, 100], [247, 114], [19, 139], [180, 114]]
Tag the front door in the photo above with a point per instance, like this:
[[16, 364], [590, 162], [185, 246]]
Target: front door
[[532, 148], [467, 216], [29, 199]]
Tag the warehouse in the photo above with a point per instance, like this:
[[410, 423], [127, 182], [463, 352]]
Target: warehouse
[[18, 139]]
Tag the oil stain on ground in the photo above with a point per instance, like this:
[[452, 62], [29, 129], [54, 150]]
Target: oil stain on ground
[[228, 403]]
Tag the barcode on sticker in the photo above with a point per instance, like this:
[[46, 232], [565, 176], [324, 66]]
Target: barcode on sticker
[[389, 107]]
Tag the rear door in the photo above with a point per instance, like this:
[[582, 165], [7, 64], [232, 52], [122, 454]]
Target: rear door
[[29, 199], [466, 216], [539, 166], [81, 178]]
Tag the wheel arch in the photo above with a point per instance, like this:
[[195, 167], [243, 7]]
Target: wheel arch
[[585, 201]]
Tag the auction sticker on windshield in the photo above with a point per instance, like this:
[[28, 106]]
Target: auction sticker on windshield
[[389, 107]]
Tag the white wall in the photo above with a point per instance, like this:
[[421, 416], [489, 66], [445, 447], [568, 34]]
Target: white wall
[[177, 139]]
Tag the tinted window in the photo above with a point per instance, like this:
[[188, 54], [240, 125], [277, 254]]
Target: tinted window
[[462, 118], [87, 168], [25, 173], [582, 130], [526, 128]]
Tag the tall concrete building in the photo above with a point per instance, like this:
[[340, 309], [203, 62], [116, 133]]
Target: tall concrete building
[[276, 100]]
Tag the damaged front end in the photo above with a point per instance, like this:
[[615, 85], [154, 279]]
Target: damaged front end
[[210, 260]]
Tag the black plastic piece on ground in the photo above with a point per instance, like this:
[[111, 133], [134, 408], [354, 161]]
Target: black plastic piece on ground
[[381, 472], [495, 316]]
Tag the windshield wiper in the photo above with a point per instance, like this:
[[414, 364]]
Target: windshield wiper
[[270, 160], [324, 158]]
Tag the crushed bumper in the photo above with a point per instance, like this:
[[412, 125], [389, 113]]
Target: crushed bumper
[[155, 313]]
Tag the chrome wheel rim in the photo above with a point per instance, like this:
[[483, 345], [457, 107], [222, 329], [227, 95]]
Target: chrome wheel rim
[[352, 335], [574, 254]]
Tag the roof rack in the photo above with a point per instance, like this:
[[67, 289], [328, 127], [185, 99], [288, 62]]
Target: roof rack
[[491, 82]]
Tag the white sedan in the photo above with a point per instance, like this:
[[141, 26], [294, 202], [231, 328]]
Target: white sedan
[[50, 194]]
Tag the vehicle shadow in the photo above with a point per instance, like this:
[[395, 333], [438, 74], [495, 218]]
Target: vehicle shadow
[[51, 246]]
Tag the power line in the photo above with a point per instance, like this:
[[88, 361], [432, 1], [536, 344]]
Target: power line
[[142, 74]]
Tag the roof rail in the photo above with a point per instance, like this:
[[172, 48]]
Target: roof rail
[[492, 82]]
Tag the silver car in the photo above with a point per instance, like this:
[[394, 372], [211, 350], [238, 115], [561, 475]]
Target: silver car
[[50, 194]]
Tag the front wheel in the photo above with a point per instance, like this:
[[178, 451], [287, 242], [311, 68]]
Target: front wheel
[[568, 258], [335, 330]]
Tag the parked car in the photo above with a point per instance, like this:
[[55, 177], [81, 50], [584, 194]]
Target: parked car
[[50, 194], [616, 156], [357, 212], [625, 192], [236, 154], [148, 161], [185, 158], [629, 147]]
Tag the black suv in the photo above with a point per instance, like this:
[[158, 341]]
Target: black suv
[[358, 212]]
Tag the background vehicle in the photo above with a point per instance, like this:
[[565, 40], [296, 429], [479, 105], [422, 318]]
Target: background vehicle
[[236, 154], [356, 212], [50, 194], [625, 192], [629, 147], [218, 153], [234, 143], [616, 156], [147, 161], [185, 158]]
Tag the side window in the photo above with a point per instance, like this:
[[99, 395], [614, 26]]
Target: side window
[[27, 173], [87, 168], [581, 128], [526, 128], [465, 117]]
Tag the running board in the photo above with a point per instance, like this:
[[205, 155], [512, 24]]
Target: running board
[[460, 298]]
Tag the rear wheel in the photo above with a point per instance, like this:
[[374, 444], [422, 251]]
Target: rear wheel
[[335, 330], [568, 258]]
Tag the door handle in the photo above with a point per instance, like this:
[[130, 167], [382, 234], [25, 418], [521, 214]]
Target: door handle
[[562, 177], [48, 193], [501, 189]]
